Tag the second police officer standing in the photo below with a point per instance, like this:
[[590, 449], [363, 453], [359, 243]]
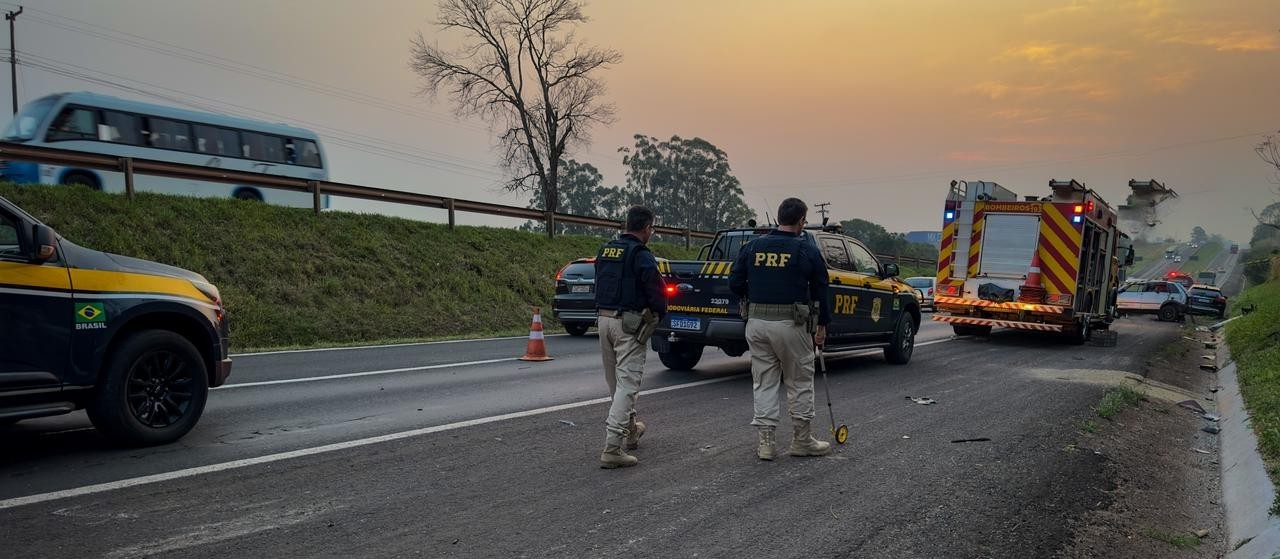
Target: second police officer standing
[[630, 300], [782, 276]]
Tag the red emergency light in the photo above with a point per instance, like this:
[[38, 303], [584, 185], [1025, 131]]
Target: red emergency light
[[1079, 208], [671, 290]]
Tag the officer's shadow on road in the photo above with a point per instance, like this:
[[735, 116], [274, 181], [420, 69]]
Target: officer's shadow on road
[[27, 442]]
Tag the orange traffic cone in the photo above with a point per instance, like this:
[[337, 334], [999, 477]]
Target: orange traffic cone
[[537, 349], [1032, 290]]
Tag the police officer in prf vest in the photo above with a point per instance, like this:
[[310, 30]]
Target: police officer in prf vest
[[630, 300], [784, 278]]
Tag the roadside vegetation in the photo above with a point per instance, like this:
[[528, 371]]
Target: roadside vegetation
[[1114, 401], [294, 279], [1255, 346], [1204, 257]]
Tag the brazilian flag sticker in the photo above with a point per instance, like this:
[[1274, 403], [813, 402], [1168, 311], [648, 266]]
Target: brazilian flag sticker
[[90, 313]]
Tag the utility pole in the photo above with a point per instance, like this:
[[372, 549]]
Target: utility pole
[[822, 209], [13, 56]]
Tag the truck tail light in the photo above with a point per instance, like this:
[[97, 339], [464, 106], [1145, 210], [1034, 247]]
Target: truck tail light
[[1220, 300], [1060, 299], [931, 291]]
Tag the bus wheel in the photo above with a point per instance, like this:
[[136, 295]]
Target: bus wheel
[[82, 178], [250, 194]]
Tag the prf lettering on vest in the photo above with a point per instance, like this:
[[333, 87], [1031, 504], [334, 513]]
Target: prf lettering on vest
[[772, 260], [845, 304], [613, 252]]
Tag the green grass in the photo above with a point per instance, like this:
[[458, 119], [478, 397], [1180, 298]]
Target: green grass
[[1116, 399], [1089, 426], [1178, 541], [294, 279], [1148, 252], [1206, 253], [1255, 345]]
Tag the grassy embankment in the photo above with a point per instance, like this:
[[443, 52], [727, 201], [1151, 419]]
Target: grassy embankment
[[291, 278], [1255, 345]]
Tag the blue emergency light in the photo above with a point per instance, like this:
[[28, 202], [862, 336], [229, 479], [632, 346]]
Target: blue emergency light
[[950, 215], [1077, 219]]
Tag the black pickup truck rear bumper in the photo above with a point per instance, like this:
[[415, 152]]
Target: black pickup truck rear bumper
[[728, 334]]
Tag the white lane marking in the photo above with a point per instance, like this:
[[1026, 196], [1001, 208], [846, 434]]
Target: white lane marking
[[201, 470], [244, 463], [316, 350], [365, 373]]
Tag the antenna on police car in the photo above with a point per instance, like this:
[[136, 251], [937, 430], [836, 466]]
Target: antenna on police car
[[822, 209], [768, 221]]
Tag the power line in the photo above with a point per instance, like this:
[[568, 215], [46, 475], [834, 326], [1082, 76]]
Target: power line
[[247, 69]]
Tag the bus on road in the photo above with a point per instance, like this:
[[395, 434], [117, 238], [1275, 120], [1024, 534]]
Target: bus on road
[[105, 125]]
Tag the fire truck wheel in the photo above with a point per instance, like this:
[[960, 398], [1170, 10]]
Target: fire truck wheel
[[966, 330], [1168, 313]]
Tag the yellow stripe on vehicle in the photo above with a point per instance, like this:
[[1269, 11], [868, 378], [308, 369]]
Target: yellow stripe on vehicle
[[126, 282], [29, 275]]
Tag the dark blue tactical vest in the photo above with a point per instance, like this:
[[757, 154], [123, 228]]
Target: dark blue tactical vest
[[617, 283]]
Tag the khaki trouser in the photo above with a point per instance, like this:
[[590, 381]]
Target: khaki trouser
[[781, 353], [623, 356]]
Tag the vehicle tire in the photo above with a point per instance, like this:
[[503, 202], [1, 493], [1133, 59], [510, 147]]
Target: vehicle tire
[[1168, 313], [82, 178], [682, 357], [249, 194], [575, 329], [968, 330], [152, 391], [1080, 335], [903, 342]]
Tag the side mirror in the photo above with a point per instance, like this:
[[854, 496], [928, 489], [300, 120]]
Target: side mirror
[[44, 245], [889, 270]]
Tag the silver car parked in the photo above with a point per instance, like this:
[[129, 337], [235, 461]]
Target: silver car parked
[[1166, 299]]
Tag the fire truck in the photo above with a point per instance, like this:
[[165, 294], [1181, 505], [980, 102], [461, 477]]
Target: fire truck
[[1049, 264]]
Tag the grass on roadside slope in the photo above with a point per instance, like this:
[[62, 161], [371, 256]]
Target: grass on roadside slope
[[291, 278], [1255, 345], [1204, 257]]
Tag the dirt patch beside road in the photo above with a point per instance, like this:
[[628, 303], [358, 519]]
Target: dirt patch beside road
[[1161, 470]]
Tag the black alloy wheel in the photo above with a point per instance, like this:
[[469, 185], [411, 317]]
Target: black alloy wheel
[[160, 389]]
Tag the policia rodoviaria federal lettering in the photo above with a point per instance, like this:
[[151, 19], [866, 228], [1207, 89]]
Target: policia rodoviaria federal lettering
[[630, 301], [782, 275]]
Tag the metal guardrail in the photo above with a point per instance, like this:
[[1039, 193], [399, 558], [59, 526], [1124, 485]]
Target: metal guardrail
[[132, 166]]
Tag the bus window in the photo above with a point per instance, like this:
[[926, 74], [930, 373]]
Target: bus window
[[120, 128], [168, 134], [23, 126], [73, 124], [262, 147], [217, 141], [307, 152]]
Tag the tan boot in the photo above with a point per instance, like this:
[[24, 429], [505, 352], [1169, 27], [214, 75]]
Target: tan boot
[[614, 456], [803, 443], [765, 450], [635, 430]]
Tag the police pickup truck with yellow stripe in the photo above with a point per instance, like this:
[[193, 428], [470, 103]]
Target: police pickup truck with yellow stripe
[[136, 343], [870, 306]]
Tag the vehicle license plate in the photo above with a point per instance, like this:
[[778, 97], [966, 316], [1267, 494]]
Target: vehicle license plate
[[580, 289], [682, 323]]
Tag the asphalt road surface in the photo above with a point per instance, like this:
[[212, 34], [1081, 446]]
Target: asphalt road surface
[[457, 450]]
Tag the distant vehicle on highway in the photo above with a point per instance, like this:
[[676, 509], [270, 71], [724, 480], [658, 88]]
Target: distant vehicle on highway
[[1166, 299], [1177, 259], [105, 125], [1169, 253], [926, 287], [1235, 248], [1207, 300], [1207, 277], [136, 343], [574, 304], [1180, 278]]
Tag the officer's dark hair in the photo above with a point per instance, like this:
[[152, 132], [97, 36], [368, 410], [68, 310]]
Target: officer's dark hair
[[791, 211], [639, 217]]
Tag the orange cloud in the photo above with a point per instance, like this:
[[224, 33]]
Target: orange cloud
[[1171, 82], [1242, 40], [1060, 54]]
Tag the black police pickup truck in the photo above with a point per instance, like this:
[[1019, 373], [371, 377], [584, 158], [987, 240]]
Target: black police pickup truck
[[136, 343], [870, 306]]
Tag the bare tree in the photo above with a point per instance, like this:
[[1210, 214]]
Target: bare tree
[[1269, 151], [522, 70]]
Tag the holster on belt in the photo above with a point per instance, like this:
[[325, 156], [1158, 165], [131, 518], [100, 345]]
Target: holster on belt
[[640, 324], [765, 311]]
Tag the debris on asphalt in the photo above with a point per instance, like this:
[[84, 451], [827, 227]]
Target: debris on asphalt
[[1201, 451], [569, 423], [708, 447], [924, 400], [1209, 367], [1192, 405], [906, 436], [1211, 345], [1210, 429], [1215, 389], [977, 440], [1212, 416], [1202, 533]]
